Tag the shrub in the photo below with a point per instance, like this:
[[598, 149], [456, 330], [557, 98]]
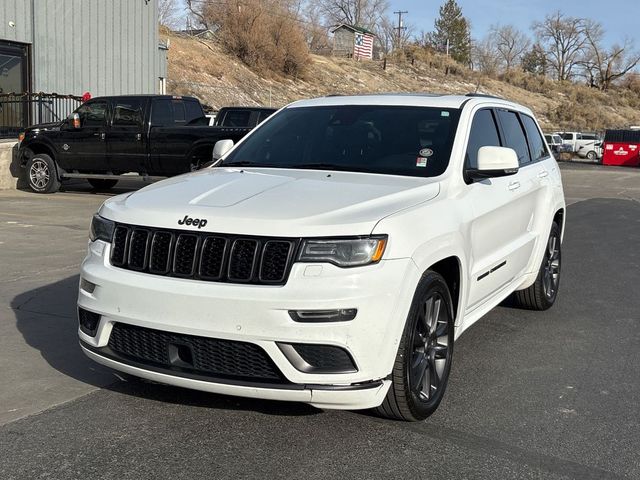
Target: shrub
[[262, 34]]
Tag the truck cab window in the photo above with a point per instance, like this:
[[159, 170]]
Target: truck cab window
[[92, 114], [193, 112]]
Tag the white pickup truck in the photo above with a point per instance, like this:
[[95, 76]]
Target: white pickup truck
[[333, 256], [578, 139]]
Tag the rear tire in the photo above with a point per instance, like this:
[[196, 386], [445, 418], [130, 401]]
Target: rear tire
[[102, 184], [423, 361], [591, 155], [42, 174], [544, 291]]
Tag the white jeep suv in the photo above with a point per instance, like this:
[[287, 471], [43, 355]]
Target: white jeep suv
[[331, 257]]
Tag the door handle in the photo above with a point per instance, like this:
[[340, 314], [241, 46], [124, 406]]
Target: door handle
[[543, 174], [514, 185], [99, 134], [138, 136]]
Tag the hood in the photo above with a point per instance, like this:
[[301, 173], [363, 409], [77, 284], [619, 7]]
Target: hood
[[43, 126], [272, 202]]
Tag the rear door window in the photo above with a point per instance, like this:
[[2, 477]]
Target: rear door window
[[484, 133], [162, 113], [536, 142], [193, 111], [128, 112], [514, 135]]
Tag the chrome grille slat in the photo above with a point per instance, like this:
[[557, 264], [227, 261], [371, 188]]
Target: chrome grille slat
[[203, 256]]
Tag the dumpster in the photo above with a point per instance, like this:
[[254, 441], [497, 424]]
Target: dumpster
[[621, 147]]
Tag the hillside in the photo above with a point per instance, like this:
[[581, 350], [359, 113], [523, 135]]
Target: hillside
[[202, 69]]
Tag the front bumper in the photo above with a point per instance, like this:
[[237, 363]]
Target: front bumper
[[259, 315]]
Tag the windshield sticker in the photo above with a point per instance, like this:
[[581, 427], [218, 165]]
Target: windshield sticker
[[425, 152], [421, 162]]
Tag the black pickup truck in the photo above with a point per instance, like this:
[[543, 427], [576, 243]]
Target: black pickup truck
[[106, 137]]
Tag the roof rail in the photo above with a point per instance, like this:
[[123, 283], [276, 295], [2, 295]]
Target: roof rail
[[483, 95]]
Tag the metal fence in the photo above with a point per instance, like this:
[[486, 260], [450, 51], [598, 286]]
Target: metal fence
[[19, 110]]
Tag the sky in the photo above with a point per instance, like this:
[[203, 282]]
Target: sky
[[620, 18]]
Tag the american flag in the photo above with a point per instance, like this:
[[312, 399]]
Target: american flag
[[363, 46]]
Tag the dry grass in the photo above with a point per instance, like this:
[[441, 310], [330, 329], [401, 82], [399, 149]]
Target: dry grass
[[205, 70]]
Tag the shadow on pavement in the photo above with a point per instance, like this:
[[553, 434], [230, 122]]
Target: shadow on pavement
[[46, 318]]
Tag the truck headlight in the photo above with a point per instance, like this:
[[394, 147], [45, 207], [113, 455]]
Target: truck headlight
[[344, 252], [101, 229]]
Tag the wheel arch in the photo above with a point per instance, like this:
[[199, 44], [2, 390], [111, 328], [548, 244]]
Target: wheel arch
[[559, 218], [37, 148], [451, 270]]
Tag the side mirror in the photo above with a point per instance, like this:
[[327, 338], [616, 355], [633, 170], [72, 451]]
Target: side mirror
[[221, 148], [494, 162]]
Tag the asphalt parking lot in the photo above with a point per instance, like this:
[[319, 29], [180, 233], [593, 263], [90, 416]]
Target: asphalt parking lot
[[532, 395]]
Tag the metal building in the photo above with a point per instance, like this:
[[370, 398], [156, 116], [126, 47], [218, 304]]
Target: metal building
[[68, 47]]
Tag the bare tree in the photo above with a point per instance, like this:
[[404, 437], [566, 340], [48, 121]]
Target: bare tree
[[603, 65], [564, 41], [168, 13], [362, 13], [388, 36], [510, 44], [485, 57]]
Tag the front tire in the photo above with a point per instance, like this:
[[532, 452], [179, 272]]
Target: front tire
[[423, 361], [102, 184], [591, 155], [42, 174], [544, 291]]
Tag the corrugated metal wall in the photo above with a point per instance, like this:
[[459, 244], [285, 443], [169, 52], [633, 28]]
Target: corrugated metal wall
[[106, 47], [18, 12]]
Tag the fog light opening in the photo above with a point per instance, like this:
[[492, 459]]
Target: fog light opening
[[87, 286], [338, 315], [88, 321]]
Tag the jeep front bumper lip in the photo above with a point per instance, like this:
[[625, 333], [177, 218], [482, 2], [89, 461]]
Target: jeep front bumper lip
[[348, 397]]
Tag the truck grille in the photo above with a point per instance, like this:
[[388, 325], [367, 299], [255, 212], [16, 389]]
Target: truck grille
[[198, 355], [203, 256]]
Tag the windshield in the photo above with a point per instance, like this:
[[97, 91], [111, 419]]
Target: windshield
[[411, 141]]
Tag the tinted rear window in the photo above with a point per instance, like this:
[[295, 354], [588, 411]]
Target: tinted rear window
[[412, 141], [536, 143], [514, 135]]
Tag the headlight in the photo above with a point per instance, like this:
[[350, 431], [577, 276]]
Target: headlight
[[101, 229], [344, 252]]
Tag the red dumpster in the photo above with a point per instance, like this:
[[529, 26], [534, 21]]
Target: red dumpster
[[621, 147]]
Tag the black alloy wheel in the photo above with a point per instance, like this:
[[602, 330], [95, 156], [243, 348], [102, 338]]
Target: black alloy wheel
[[422, 366]]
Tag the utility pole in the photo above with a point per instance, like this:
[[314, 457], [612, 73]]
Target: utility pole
[[400, 28]]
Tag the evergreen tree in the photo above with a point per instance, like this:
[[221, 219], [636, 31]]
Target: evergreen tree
[[535, 60], [452, 28]]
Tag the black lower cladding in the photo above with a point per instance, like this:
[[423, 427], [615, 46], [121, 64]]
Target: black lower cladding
[[192, 354]]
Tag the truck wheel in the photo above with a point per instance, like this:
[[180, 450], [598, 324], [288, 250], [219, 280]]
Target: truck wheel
[[423, 361], [542, 294], [591, 155], [42, 174], [102, 184]]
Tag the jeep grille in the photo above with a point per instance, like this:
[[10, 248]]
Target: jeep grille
[[203, 256]]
